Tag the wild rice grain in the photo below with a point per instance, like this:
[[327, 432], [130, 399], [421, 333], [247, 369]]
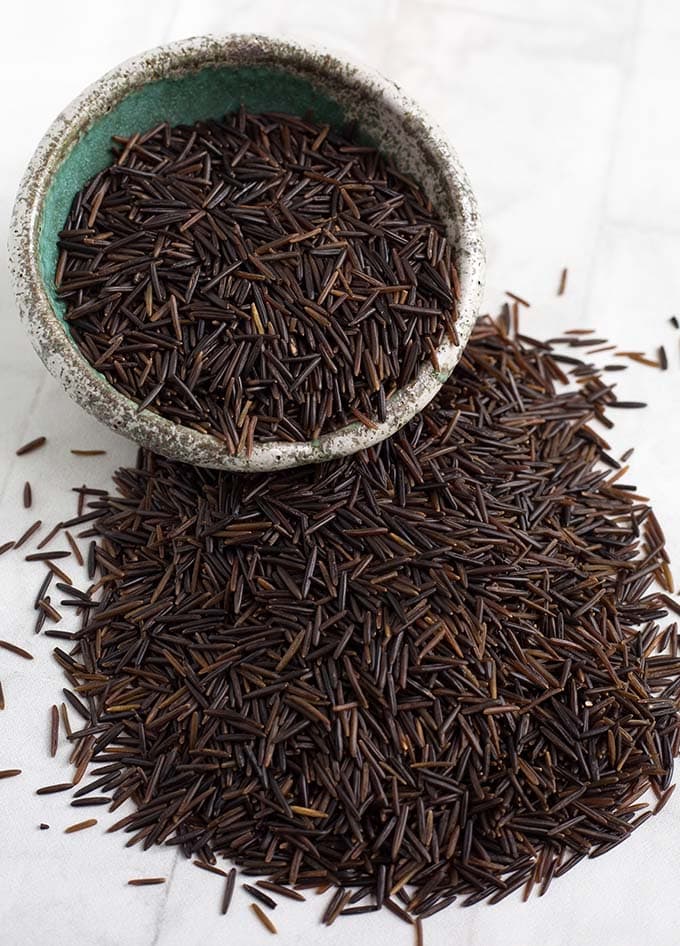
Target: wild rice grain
[[80, 826], [49, 555], [50, 535], [31, 446], [663, 800], [90, 801], [14, 649], [427, 672], [54, 731], [263, 918], [42, 591], [58, 572], [210, 867], [280, 889], [518, 299], [74, 548], [32, 529], [9, 773], [260, 895], [48, 610], [228, 890], [281, 283], [54, 789], [563, 282], [66, 722]]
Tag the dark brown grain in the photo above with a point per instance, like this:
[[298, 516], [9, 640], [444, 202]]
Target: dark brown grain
[[58, 572], [31, 446], [563, 282], [49, 555], [518, 299], [258, 278], [260, 895], [54, 789], [54, 730], [32, 529], [228, 890], [74, 548], [211, 868], [63, 711], [50, 535], [434, 671], [280, 889], [15, 649]]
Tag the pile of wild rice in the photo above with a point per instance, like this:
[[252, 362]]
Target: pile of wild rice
[[430, 672], [259, 278]]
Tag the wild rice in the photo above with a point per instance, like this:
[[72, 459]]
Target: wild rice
[[80, 826], [15, 649], [228, 890], [258, 278], [260, 895], [32, 529], [31, 446], [54, 731], [263, 918], [9, 773], [435, 670]]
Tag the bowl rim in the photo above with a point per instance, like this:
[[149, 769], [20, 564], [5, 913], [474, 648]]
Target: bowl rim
[[147, 428]]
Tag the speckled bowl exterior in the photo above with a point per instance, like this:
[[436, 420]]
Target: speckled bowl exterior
[[206, 77]]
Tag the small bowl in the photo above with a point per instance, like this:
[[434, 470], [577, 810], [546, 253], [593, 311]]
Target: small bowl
[[206, 77]]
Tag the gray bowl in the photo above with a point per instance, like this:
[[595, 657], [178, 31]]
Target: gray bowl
[[207, 77]]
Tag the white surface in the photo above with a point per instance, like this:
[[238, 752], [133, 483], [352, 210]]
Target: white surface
[[565, 113]]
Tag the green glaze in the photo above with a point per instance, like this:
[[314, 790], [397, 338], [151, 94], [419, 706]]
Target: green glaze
[[208, 93]]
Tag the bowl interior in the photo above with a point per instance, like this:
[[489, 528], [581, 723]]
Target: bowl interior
[[210, 92]]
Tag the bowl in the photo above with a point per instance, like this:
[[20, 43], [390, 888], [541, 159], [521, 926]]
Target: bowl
[[206, 77]]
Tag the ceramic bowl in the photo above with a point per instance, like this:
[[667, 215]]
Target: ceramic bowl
[[206, 77]]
